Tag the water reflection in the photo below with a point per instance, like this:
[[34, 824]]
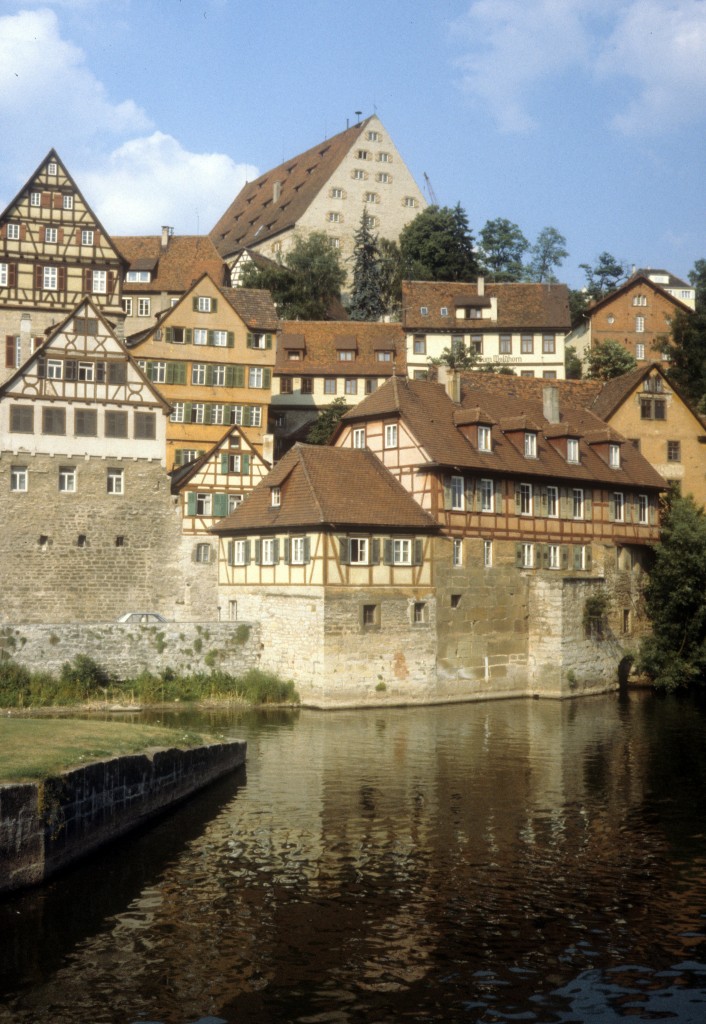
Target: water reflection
[[490, 862]]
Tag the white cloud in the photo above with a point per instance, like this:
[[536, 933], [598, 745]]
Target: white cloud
[[656, 46], [148, 182]]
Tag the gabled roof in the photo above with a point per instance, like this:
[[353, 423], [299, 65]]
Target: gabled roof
[[256, 215], [182, 475], [672, 280], [53, 155], [428, 413], [320, 341], [636, 280], [324, 487], [176, 266], [521, 306], [254, 306]]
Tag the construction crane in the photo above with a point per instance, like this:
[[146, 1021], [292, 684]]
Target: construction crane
[[430, 190]]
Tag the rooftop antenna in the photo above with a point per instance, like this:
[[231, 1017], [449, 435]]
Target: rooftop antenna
[[358, 114]]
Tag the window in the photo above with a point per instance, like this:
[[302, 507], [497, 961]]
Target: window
[[275, 497], [51, 235], [143, 307], [373, 136], [286, 385], [13, 343], [67, 479], [13, 232], [527, 344], [145, 426], [177, 414], [371, 222], [384, 356], [54, 369], [50, 278], [239, 553], [333, 217], [198, 412], [233, 501], [487, 495], [581, 556], [259, 340], [87, 239], [577, 503], [487, 554], [619, 507], [220, 339], [419, 612], [530, 444], [336, 193], [639, 351], [18, 478], [484, 439], [527, 556], [202, 553], [268, 551], [525, 495], [346, 355], [359, 437], [639, 324], [330, 385], [410, 201], [127, 307], [67, 202], [350, 386], [369, 615], [639, 300], [548, 343], [298, 551], [359, 551], [52, 167], [572, 449], [390, 435], [419, 345], [402, 552], [673, 451], [35, 199], [203, 303], [458, 503], [643, 509], [383, 177], [384, 158], [457, 552], [116, 481], [476, 344], [359, 174], [255, 377], [371, 197], [53, 420], [653, 408], [362, 154], [99, 283], [218, 414], [198, 373], [86, 423], [115, 423], [552, 501], [307, 386], [505, 344], [86, 371], [21, 419], [614, 456]]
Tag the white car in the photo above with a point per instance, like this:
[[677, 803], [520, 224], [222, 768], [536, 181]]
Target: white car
[[142, 617]]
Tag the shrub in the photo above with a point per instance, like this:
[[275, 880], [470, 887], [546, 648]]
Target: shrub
[[84, 675]]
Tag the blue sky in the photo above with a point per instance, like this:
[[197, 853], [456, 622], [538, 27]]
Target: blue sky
[[586, 115]]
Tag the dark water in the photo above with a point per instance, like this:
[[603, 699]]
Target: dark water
[[509, 861]]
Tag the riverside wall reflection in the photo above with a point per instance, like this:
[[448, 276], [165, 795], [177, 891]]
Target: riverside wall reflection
[[466, 863]]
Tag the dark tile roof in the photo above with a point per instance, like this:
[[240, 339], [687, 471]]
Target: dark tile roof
[[673, 282], [185, 259], [255, 215], [335, 488], [520, 306], [638, 279], [254, 306], [321, 341], [429, 413], [571, 392]]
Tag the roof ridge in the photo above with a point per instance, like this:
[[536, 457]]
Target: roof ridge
[[301, 448]]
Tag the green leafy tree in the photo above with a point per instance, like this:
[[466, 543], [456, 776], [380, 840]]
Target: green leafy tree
[[438, 246], [697, 276], [687, 353], [390, 277], [307, 280], [548, 252], [675, 599], [457, 357], [502, 248], [572, 364], [326, 422], [366, 301], [608, 359], [579, 300], [604, 277]]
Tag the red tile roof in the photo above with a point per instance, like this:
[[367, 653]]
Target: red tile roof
[[322, 340], [254, 306], [520, 306], [336, 488], [185, 259]]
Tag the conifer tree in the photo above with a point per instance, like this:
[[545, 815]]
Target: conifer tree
[[366, 297]]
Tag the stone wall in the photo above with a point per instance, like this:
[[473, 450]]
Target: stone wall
[[45, 826], [126, 650]]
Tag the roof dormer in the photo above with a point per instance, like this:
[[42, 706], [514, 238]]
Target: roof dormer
[[607, 446], [476, 426], [565, 440], [523, 432]]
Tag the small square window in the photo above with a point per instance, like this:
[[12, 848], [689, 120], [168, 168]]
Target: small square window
[[457, 552], [370, 615], [116, 481], [275, 497], [67, 480], [419, 612], [18, 478], [673, 451], [390, 435]]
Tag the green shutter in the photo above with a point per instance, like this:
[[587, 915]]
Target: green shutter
[[447, 493], [247, 552], [169, 335], [544, 551], [195, 304], [245, 463], [268, 341], [224, 462], [518, 554], [589, 558], [344, 551], [611, 507], [650, 511], [563, 503], [387, 551], [542, 505], [230, 340], [191, 503], [518, 500], [210, 338], [220, 505], [230, 376], [565, 556], [418, 547], [239, 376], [307, 549], [275, 548], [231, 551], [375, 551], [588, 504], [249, 340], [214, 305], [187, 412], [628, 508], [287, 549], [258, 552], [188, 335], [266, 377], [577, 556], [498, 498]]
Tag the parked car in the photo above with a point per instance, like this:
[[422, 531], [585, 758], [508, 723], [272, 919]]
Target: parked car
[[142, 617]]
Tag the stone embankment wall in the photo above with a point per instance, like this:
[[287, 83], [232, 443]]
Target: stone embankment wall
[[126, 650], [45, 826]]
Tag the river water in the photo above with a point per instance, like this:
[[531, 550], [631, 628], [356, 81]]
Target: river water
[[501, 861]]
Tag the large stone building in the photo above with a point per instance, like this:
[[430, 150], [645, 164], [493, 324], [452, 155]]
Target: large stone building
[[327, 188], [521, 327], [53, 251]]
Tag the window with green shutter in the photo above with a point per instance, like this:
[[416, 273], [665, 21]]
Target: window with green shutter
[[191, 503], [220, 505]]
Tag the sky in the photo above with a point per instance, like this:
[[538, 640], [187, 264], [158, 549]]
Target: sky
[[588, 116]]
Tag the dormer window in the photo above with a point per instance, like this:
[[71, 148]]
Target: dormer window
[[572, 449], [346, 355], [614, 456], [132, 276], [384, 356], [424, 310], [275, 497], [444, 310], [530, 444], [484, 439]]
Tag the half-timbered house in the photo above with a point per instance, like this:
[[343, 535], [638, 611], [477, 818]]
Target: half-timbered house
[[211, 356], [53, 251]]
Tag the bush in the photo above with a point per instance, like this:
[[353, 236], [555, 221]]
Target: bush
[[84, 676]]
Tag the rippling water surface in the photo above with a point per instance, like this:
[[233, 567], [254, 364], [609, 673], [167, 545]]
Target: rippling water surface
[[507, 861]]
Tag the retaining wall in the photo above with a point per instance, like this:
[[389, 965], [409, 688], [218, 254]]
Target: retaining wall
[[45, 826]]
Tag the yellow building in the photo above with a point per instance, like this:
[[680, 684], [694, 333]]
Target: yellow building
[[212, 356]]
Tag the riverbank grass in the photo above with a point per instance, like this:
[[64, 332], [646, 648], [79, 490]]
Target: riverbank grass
[[35, 748]]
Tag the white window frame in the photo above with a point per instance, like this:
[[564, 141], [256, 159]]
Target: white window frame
[[359, 551], [255, 377], [401, 551], [457, 551], [67, 479], [618, 507], [218, 415], [639, 325], [572, 449], [554, 556], [127, 306], [390, 435], [198, 374], [267, 551], [552, 501], [198, 412], [614, 456], [87, 236], [67, 202], [577, 503], [177, 414], [527, 559], [484, 439], [203, 303], [54, 369], [530, 444], [143, 306], [639, 351], [487, 496], [115, 481], [51, 235], [200, 336], [19, 479], [99, 282], [86, 372], [13, 232], [220, 339], [35, 199], [297, 551], [204, 503], [526, 499], [643, 509], [458, 494], [50, 279], [275, 497], [240, 548], [358, 437]]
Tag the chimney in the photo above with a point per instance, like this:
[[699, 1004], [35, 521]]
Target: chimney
[[550, 403], [268, 449], [167, 233], [276, 191], [480, 285], [450, 380]]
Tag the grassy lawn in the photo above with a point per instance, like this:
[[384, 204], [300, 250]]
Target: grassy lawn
[[33, 748]]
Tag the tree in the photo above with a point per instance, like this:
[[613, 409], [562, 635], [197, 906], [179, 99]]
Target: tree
[[548, 251], [457, 357], [608, 359], [687, 354], [502, 247], [438, 246], [675, 599], [366, 301], [305, 282], [697, 276], [572, 364], [604, 277], [390, 276], [326, 422], [578, 304]]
